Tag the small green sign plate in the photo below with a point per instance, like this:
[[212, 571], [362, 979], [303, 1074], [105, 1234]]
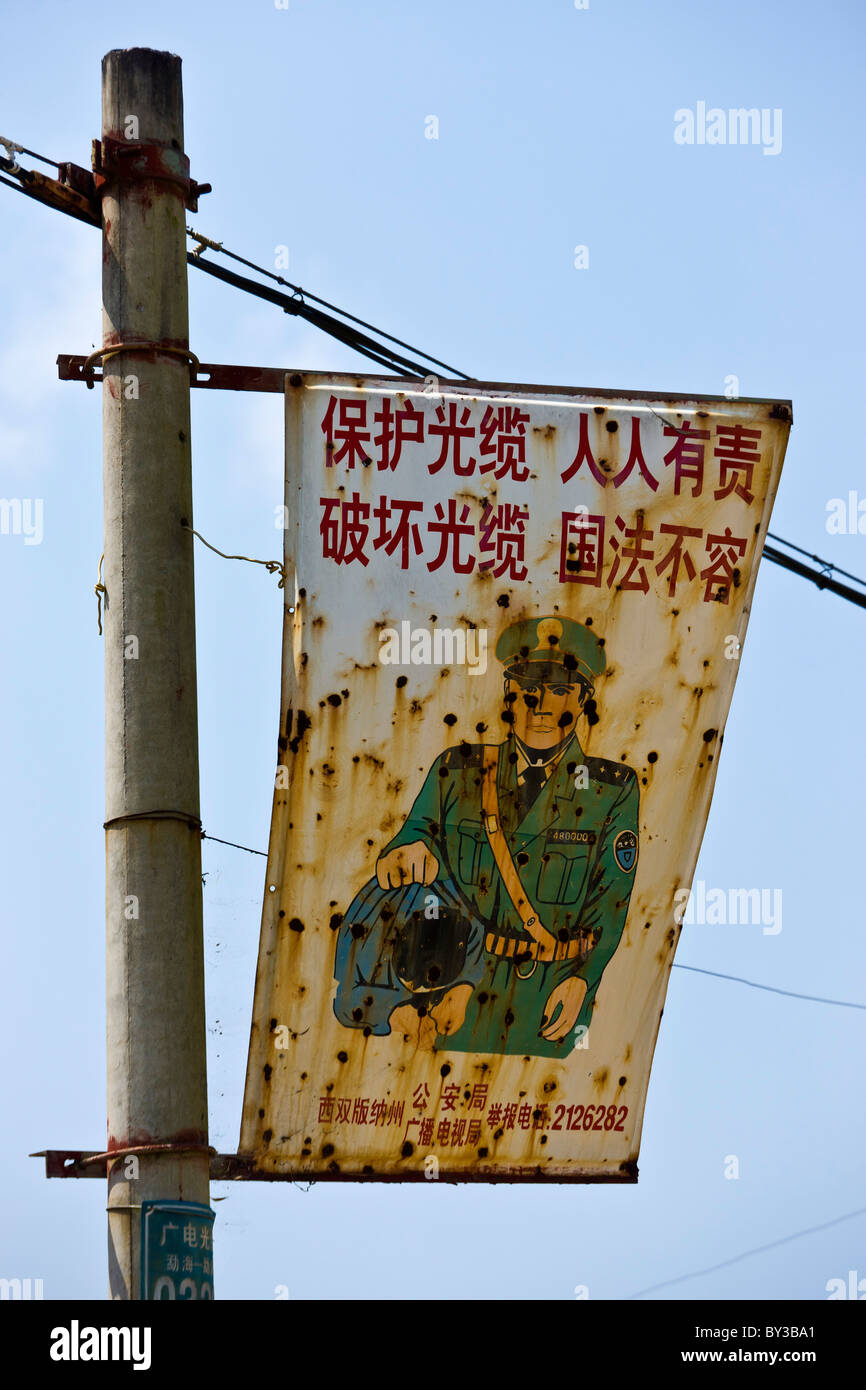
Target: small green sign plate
[[176, 1250]]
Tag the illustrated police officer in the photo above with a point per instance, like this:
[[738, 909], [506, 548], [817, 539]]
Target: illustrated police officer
[[496, 908]]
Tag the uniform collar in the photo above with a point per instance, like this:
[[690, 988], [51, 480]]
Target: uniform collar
[[540, 757], [560, 786]]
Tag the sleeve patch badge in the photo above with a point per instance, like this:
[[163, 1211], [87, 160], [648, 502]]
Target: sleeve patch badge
[[625, 850]]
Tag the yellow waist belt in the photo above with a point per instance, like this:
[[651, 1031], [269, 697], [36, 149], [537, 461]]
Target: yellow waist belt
[[532, 950]]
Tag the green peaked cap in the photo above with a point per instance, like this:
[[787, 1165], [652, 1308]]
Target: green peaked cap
[[551, 641]]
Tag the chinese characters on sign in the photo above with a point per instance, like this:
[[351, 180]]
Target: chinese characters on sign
[[471, 905], [353, 529], [442, 1129], [176, 1250]]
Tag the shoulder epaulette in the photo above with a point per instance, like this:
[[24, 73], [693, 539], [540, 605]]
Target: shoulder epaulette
[[605, 770], [463, 756]]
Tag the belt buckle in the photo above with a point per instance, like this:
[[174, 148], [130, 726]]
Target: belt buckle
[[531, 963]]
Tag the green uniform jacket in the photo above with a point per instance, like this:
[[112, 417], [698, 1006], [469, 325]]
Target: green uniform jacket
[[575, 850]]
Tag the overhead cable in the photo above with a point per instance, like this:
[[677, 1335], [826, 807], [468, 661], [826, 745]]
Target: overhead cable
[[377, 351], [747, 1254]]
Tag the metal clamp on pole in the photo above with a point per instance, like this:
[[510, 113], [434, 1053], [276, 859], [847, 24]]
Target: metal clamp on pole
[[103, 354], [142, 1150], [192, 821], [137, 162]]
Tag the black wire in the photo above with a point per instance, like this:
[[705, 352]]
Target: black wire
[[359, 341], [757, 1250], [297, 289], [827, 564], [21, 149], [771, 989], [695, 969], [394, 361], [823, 581], [368, 348], [232, 844]]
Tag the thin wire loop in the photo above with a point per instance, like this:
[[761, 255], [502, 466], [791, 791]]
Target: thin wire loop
[[272, 566], [99, 589]]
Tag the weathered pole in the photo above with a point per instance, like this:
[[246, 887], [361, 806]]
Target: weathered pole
[[157, 1090]]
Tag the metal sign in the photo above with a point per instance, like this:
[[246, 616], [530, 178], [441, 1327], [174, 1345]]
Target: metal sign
[[514, 619], [176, 1250]]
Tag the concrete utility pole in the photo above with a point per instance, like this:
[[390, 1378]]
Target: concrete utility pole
[[157, 1087]]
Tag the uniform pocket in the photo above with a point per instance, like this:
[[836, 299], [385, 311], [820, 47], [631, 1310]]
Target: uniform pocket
[[475, 863], [562, 874]]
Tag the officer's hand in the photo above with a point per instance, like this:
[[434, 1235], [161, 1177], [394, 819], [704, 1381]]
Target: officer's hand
[[450, 1012], [407, 864], [570, 995], [408, 1024]]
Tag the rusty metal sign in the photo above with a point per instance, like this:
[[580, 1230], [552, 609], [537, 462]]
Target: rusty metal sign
[[514, 620]]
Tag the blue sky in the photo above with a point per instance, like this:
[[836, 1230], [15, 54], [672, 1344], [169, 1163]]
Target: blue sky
[[555, 130]]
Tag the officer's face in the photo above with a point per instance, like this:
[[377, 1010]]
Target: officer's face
[[543, 714]]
